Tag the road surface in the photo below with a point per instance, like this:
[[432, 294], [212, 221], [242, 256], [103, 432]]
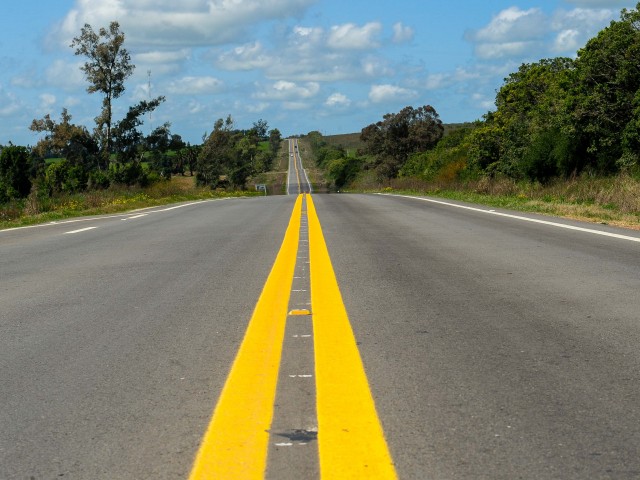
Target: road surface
[[493, 346]]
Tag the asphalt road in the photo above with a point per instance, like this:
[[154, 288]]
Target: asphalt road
[[115, 342], [494, 347], [297, 179]]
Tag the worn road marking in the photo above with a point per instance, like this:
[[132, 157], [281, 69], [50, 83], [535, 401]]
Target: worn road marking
[[236, 442], [136, 216], [350, 438], [80, 230]]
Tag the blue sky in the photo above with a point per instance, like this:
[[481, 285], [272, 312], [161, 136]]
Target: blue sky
[[301, 65]]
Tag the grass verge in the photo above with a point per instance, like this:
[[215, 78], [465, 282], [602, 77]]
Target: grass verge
[[610, 201], [35, 209]]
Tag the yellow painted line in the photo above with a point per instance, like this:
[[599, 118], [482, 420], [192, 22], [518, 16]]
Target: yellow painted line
[[350, 438], [236, 442]]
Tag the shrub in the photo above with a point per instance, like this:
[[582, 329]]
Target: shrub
[[14, 173]]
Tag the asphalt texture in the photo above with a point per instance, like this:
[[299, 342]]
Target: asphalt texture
[[494, 347], [115, 342]]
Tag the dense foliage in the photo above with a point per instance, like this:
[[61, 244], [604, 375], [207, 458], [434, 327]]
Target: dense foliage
[[230, 156], [565, 117], [392, 140]]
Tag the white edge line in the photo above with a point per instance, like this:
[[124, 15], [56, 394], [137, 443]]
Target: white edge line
[[518, 217], [80, 230], [106, 217]]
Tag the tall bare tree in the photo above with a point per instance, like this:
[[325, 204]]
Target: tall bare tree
[[107, 67]]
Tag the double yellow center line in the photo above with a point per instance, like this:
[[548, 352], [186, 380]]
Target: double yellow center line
[[351, 442]]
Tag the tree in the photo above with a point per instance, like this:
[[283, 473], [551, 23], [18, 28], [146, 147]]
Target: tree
[[127, 139], [65, 139], [216, 154], [605, 92], [107, 68], [392, 140], [14, 173], [261, 127]]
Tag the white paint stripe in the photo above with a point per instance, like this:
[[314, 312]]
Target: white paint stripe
[[136, 216], [526, 219], [81, 230], [104, 217]]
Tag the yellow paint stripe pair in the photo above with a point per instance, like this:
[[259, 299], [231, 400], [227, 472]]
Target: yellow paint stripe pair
[[350, 439]]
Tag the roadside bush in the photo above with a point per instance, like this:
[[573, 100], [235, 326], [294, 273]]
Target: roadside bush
[[65, 177], [344, 170], [128, 174], [99, 180], [15, 165]]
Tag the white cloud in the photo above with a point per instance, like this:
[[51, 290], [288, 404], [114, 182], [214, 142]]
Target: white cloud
[[195, 86], [249, 56], [505, 49], [171, 23], [402, 33], [388, 93], [528, 35], [513, 24], [316, 58], [283, 90], [567, 41], [337, 100], [351, 37], [162, 56], [512, 32]]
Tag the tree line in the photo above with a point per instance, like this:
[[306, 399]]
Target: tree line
[[116, 152]]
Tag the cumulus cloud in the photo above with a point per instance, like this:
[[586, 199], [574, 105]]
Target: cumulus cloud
[[352, 37], [288, 91], [185, 23], [512, 24], [389, 93], [402, 33], [567, 41], [519, 34], [162, 56], [337, 100], [321, 55], [195, 86], [249, 56], [511, 32]]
